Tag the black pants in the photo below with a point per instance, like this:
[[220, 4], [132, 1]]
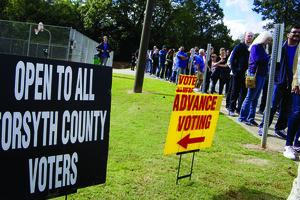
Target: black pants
[[132, 65], [154, 67], [264, 95], [224, 79], [168, 71], [207, 81], [239, 91], [229, 92], [215, 76]]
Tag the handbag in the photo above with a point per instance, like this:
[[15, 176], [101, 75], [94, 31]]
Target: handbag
[[250, 80]]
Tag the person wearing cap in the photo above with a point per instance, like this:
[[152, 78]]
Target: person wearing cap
[[182, 59], [162, 60], [104, 49]]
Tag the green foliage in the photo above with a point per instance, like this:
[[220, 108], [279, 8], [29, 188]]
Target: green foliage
[[174, 23], [187, 23], [58, 12], [279, 11]]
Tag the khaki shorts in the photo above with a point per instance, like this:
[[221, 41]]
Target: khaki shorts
[[199, 75]]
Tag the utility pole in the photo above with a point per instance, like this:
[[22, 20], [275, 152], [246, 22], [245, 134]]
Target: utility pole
[[140, 69]]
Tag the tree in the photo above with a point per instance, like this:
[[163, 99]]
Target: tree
[[120, 20], [58, 12], [199, 22], [279, 11], [174, 23]]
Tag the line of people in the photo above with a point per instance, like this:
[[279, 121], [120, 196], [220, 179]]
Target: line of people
[[285, 98], [230, 69], [168, 65]]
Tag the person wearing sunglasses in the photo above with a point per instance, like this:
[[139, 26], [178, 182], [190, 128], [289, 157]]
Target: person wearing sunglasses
[[283, 90]]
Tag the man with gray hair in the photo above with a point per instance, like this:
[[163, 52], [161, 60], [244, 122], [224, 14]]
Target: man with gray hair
[[239, 64], [199, 69]]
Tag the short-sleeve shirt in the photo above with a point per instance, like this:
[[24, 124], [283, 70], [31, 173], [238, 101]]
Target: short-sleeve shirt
[[181, 63], [200, 61]]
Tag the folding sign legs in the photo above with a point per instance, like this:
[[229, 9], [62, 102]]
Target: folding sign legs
[[190, 174]]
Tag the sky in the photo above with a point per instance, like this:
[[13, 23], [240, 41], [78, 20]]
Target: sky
[[239, 17]]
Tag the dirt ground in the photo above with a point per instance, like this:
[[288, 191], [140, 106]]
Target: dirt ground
[[121, 65]]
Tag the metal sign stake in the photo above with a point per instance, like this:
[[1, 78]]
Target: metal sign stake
[[206, 67], [276, 55], [191, 61], [190, 174]]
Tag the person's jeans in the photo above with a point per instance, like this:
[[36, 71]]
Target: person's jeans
[[173, 78], [264, 95], [179, 71], [283, 96], [103, 60], [151, 65], [294, 121], [162, 68], [248, 109]]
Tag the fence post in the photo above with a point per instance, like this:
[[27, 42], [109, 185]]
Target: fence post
[[29, 37]]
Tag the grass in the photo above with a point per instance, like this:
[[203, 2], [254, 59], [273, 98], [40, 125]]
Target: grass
[[137, 168]]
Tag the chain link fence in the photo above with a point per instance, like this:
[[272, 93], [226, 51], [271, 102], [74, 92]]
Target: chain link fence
[[65, 42]]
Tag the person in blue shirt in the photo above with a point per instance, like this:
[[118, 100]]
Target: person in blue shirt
[[286, 91], [199, 69], [104, 49], [162, 60], [282, 92], [258, 67], [181, 63]]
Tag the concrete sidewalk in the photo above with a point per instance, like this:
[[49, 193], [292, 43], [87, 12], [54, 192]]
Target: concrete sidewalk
[[274, 143]]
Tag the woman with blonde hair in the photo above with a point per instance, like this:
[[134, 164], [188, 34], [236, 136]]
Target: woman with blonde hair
[[169, 64], [258, 67]]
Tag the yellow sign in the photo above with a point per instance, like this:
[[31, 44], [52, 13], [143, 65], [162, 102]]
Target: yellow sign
[[194, 118]]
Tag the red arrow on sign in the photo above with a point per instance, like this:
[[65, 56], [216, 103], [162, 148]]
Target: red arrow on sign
[[184, 142]]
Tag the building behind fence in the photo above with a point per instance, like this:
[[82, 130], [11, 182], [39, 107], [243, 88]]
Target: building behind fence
[[66, 43]]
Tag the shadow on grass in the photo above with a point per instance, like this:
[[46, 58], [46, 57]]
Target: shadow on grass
[[123, 77], [244, 193], [169, 95]]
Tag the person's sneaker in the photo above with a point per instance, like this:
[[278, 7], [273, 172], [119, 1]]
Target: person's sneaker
[[260, 131], [246, 123], [281, 134], [290, 153], [260, 112], [297, 149], [254, 123], [197, 90], [232, 114]]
